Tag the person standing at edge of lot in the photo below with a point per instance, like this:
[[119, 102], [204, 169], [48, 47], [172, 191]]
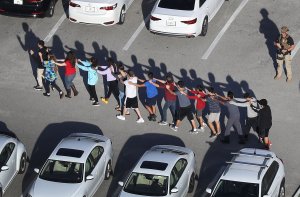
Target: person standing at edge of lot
[[91, 67], [264, 121], [151, 97], [185, 107], [214, 112], [199, 96], [42, 56], [70, 72], [251, 114], [112, 81], [120, 76], [50, 76], [233, 119], [285, 45], [131, 100], [170, 99]]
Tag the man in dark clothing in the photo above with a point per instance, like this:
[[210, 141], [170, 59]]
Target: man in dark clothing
[[42, 56], [264, 121]]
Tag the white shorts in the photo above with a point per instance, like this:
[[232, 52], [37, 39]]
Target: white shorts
[[214, 117]]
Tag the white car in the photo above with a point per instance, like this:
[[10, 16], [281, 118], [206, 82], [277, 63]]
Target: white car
[[251, 173], [13, 160], [164, 170], [76, 167], [183, 18], [102, 12]]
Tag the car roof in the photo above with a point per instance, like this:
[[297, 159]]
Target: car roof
[[248, 165], [167, 154], [79, 141]]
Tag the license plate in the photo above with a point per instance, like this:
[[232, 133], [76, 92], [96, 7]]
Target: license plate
[[18, 2], [89, 9], [171, 23]]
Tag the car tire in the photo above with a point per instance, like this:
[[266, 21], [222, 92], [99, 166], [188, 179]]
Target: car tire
[[23, 161], [108, 171], [204, 27], [191, 183], [50, 11], [282, 189], [122, 16]]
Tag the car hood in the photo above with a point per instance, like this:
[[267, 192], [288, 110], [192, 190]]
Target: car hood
[[43, 188]]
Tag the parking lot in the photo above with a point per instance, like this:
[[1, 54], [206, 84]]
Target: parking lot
[[236, 55]]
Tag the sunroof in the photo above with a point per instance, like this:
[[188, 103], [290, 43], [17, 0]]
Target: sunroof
[[154, 165], [69, 152]]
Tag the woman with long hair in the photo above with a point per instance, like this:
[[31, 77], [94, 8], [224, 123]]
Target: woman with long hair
[[70, 72]]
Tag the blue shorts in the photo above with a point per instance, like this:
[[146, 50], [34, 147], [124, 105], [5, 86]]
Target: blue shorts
[[151, 101]]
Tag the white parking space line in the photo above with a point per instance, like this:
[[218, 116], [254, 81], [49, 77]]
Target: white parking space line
[[221, 33], [295, 49], [136, 33], [54, 29]]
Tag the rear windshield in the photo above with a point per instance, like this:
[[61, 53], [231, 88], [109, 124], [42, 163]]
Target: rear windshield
[[177, 4]]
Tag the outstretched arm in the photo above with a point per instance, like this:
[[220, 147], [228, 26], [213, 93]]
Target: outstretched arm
[[160, 81]]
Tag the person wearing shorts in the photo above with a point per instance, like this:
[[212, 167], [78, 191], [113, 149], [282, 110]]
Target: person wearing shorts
[[214, 113], [131, 103]]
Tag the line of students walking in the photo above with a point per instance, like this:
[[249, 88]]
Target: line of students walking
[[123, 85]]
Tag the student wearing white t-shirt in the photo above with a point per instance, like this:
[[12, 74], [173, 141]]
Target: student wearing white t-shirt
[[131, 100]]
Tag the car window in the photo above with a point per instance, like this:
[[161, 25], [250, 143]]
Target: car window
[[177, 4], [93, 159], [97, 153], [6, 153], [176, 172], [201, 2], [269, 177]]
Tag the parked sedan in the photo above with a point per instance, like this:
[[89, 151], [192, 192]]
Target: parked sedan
[[184, 18], [76, 167], [103, 12], [13, 159], [35, 8], [164, 170]]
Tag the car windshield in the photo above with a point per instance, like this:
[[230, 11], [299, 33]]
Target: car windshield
[[62, 171], [177, 4], [147, 184], [227, 188]]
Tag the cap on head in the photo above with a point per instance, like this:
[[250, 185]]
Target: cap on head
[[284, 29]]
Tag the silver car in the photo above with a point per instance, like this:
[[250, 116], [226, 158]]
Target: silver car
[[164, 170], [13, 160], [76, 167]]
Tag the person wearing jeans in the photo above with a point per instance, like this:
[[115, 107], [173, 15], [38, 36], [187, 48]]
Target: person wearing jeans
[[120, 76]]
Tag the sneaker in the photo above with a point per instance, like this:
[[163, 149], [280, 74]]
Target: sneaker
[[46, 94], [96, 103], [61, 95], [92, 100], [39, 88], [174, 128], [127, 113], [52, 88], [163, 123], [213, 136], [120, 117], [201, 128], [104, 100], [204, 125], [140, 120], [193, 131]]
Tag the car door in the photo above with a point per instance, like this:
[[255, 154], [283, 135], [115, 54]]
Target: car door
[[269, 186], [207, 6], [179, 178], [8, 158]]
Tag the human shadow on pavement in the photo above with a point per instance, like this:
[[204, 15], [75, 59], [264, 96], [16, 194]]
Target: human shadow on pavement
[[48, 140], [30, 42], [215, 159], [131, 152], [270, 31]]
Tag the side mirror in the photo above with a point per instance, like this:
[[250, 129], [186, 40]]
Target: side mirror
[[4, 168], [36, 170], [89, 177], [121, 183], [208, 190], [174, 190]]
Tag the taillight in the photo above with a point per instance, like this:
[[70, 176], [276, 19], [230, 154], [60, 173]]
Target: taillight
[[109, 7], [190, 22], [75, 5], [34, 1], [154, 18]]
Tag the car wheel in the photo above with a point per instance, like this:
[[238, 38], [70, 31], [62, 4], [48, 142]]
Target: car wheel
[[50, 11], [122, 16], [108, 170], [204, 26], [282, 190], [22, 166], [192, 183]]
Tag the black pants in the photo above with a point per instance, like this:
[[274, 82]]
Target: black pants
[[92, 92], [53, 83], [251, 122], [113, 88]]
